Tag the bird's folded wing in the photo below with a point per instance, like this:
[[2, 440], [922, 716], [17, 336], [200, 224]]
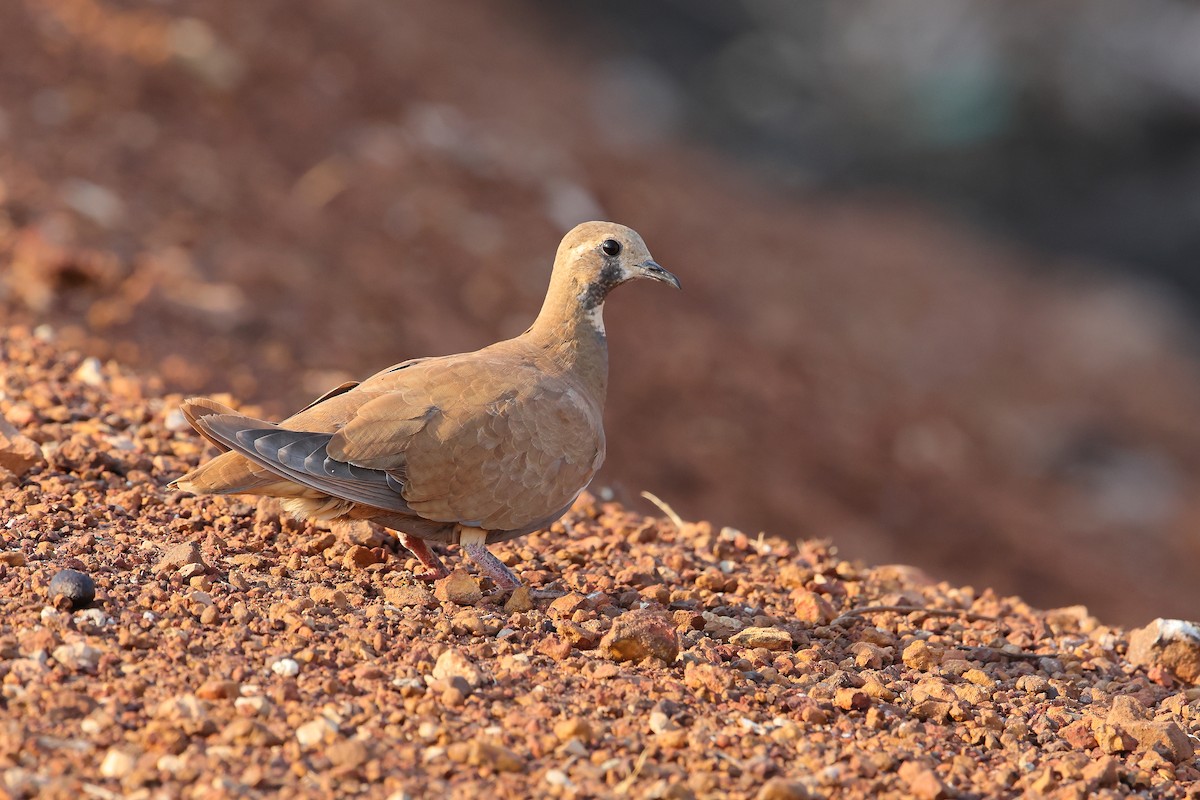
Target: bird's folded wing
[[491, 446], [412, 399], [302, 457], [380, 430]]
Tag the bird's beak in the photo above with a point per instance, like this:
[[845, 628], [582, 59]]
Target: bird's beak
[[651, 269]]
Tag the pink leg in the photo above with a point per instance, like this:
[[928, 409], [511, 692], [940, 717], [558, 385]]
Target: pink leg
[[474, 544], [434, 568]]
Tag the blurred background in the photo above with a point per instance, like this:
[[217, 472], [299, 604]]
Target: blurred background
[[940, 258]]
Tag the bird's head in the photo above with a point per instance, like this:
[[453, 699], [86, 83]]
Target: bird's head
[[596, 257]]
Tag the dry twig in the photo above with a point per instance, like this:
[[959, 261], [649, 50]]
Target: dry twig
[[676, 520]]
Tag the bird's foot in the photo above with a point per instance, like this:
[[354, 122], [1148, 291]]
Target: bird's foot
[[473, 543], [430, 575], [434, 570]]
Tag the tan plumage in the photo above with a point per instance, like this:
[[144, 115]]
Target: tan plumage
[[473, 448]]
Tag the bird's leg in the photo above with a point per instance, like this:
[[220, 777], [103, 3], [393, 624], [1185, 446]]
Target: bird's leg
[[434, 568], [474, 544]]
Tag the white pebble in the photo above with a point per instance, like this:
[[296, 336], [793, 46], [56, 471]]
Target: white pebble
[[171, 764], [93, 616], [255, 706], [117, 764], [287, 667], [175, 420], [77, 656], [556, 777], [89, 372], [311, 734]]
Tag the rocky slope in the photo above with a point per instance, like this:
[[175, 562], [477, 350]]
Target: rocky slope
[[269, 198], [232, 652]]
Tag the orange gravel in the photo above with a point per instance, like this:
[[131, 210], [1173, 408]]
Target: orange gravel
[[267, 198], [232, 652]]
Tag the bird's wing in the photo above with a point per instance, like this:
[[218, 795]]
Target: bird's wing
[[301, 457], [487, 441], [246, 468]]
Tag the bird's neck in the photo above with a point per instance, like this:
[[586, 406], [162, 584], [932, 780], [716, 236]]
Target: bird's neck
[[569, 331]]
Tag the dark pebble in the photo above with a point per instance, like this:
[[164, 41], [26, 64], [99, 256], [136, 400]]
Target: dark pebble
[[75, 586]]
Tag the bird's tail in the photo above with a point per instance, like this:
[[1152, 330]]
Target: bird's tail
[[228, 473], [195, 408]]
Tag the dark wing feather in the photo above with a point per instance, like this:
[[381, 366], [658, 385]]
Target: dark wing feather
[[341, 388], [300, 456]]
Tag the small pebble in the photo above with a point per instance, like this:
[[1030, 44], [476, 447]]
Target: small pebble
[[93, 616], [117, 764], [1172, 644], [218, 690], [661, 723], [178, 556], [254, 706], [77, 587], [359, 557], [640, 634], [769, 638], [405, 596], [348, 754], [496, 756], [573, 728], [77, 656], [459, 588], [920, 656], [519, 601], [781, 789], [454, 664], [287, 667], [311, 734]]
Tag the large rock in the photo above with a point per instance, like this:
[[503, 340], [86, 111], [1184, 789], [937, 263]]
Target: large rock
[[640, 634], [1173, 644], [1129, 720], [18, 453], [453, 663]]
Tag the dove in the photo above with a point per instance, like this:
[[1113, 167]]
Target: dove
[[473, 448]]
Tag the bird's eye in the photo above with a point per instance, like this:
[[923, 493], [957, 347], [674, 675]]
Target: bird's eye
[[611, 247]]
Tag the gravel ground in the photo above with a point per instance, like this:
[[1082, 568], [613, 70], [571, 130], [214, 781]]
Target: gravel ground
[[231, 651], [268, 198]]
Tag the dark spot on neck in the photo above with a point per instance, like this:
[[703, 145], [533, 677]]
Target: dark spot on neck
[[609, 277]]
